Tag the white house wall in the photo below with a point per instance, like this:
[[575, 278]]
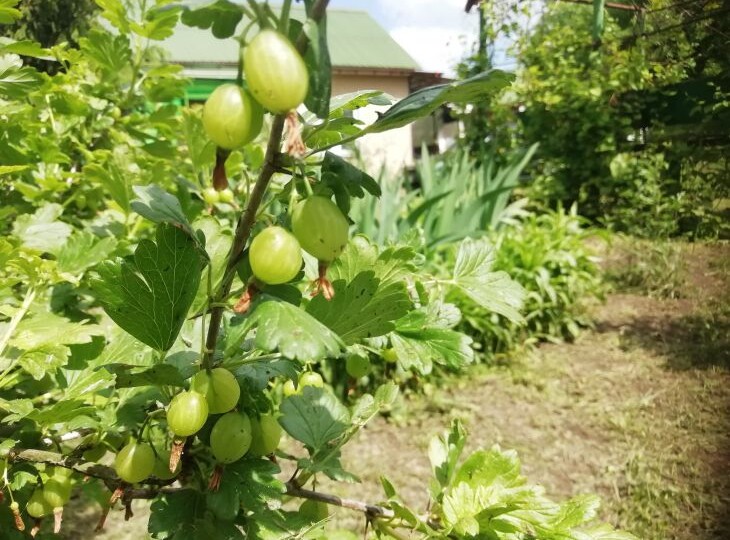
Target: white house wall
[[392, 150]]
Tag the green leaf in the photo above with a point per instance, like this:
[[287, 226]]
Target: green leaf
[[110, 52], [258, 486], [218, 241], [17, 81], [84, 382], [460, 508], [315, 417], [112, 180], [42, 231], [444, 452], [357, 100], [159, 206], [259, 373], [84, 250], [61, 412], [114, 11], [20, 408], [575, 512], [201, 152], [159, 23], [328, 462], [224, 502], [423, 102], [368, 406], [42, 360], [288, 329], [494, 291], [319, 66], [486, 467], [418, 343], [123, 348], [362, 308], [279, 524], [346, 180], [46, 328], [221, 16], [150, 294], [8, 14], [24, 47], [173, 511], [359, 254], [11, 169]]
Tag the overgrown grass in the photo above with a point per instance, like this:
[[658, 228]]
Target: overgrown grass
[[655, 268]]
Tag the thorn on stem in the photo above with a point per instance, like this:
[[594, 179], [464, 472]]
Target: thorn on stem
[[102, 519], [215, 478], [244, 303], [294, 145], [57, 519], [176, 453], [128, 514]]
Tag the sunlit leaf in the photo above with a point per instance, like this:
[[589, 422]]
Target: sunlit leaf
[[149, 295]]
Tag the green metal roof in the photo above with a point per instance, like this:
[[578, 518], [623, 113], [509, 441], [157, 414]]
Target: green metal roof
[[355, 40]]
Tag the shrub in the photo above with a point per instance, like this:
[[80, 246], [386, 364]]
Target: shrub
[[549, 254]]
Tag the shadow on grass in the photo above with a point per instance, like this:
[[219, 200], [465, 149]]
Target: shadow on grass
[[698, 340]]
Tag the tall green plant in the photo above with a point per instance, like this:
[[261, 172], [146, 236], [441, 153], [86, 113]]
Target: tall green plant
[[456, 198]]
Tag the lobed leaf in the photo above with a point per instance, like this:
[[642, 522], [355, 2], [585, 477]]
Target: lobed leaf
[[315, 417], [149, 295], [222, 17], [494, 291], [286, 328], [41, 230], [362, 308]]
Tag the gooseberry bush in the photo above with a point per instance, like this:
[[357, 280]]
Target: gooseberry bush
[[174, 281]]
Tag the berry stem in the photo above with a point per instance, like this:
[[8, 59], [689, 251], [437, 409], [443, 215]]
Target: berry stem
[[248, 217]]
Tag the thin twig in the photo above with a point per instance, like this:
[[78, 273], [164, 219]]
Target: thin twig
[[154, 487], [371, 510]]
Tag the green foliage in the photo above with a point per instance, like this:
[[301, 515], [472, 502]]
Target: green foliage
[[485, 496], [119, 281], [641, 206], [49, 22], [164, 276], [549, 255], [455, 198], [642, 95]]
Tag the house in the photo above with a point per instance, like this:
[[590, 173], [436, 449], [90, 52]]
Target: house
[[363, 55]]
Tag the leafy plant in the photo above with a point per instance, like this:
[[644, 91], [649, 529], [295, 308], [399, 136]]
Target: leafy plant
[[634, 95], [455, 198], [140, 319], [549, 255]]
